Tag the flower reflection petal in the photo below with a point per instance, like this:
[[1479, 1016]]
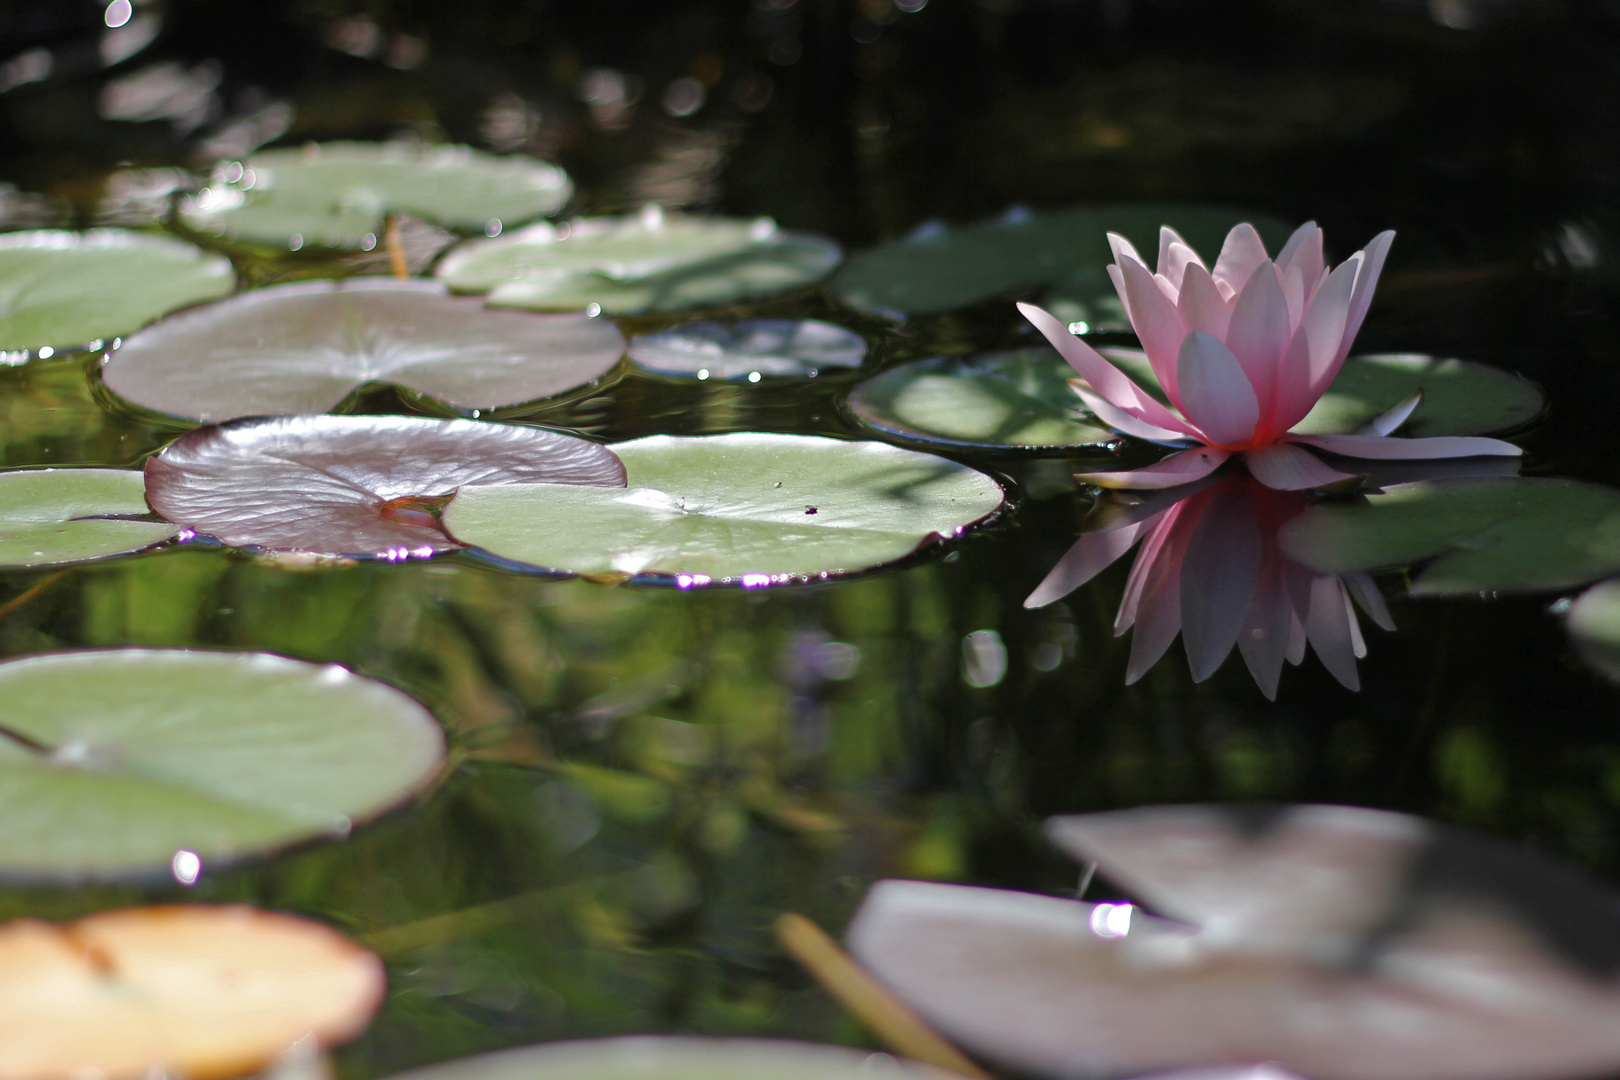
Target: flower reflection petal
[[1284, 467]]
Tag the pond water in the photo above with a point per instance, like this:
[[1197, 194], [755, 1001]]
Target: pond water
[[642, 778]]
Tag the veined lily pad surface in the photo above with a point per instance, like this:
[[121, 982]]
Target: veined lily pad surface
[[676, 1058], [112, 762], [1594, 627], [941, 267], [52, 516], [650, 261], [304, 347], [1486, 535], [353, 485], [64, 290], [750, 350], [199, 991], [748, 507], [335, 195]]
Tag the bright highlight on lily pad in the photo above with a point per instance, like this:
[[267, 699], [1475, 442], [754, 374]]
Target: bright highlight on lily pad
[[753, 349], [304, 347], [197, 991], [364, 486], [748, 508], [651, 1057], [336, 195], [114, 761], [65, 290], [650, 261], [50, 516], [1502, 534]]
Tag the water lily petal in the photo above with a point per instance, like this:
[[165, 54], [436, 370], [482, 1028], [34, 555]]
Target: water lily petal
[[1158, 534], [1122, 421], [1200, 304], [1158, 613], [1366, 594], [1293, 287], [1314, 348], [1122, 248], [1091, 555], [1259, 332], [1358, 644], [1263, 641], [1242, 252], [1216, 394], [1175, 256], [1386, 423], [1391, 448], [1219, 573], [1106, 379], [1285, 467], [1157, 325], [1361, 299], [1304, 251], [1182, 468], [1327, 628]]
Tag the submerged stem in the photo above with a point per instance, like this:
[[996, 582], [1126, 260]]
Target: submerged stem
[[396, 248], [29, 593]]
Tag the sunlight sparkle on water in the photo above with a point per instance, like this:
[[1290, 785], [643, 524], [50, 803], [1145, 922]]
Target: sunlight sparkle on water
[[187, 867], [1111, 920], [118, 13]]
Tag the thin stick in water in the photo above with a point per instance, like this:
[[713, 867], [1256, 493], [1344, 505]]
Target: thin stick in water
[[396, 248]]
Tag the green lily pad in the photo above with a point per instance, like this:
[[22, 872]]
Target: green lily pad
[[65, 290], [940, 267], [335, 195], [748, 507], [1505, 534], [113, 761], [50, 516], [1011, 400], [1593, 622], [751, 349], [645, 262], [674, 1057]]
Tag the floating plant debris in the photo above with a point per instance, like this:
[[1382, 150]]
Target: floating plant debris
[[749, 508], [941, 267], [1505, 534], [752, 349], [364, 486], [111, 761], [304, 347], [336, 195], [66, 515], [1345, 944], [199, 991], [65, 290], [650, 261]]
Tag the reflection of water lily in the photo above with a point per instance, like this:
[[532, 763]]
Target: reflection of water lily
[[1210, 567], [1243, 352]]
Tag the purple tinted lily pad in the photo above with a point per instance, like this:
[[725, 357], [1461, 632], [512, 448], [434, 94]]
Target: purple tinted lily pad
[[304, 347], [364, 486]]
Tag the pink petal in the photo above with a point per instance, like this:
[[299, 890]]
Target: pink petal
[[1146, 556], [1216, 394], [1366, 281], [1157, 325], [1366, 594], [1175, 257], [1118, 278], [1386, 423], [1327, 628], [1182, 468], [1200, 305], [1219, 572], [1122, 249], [1106, 379], [1358, 644], [1285, 467], [1388, 447], [1293, 287], [1304, 252], [1158, 612], [1242, 252], [1259, 331], [1295, 653], [1314, 349], [1264, 638], [1090, 556], [1124, 422]]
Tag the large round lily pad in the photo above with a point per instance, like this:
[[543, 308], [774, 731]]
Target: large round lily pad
[[112, 761], [1593, 622], [1506, 534], [304, 347], [1009, 400], [652, 1057], [644, 262], [353, 485], [66, 515], [198, 991], [748, 507], [63, 290], [751, 349], [336, 195], [940, 267]]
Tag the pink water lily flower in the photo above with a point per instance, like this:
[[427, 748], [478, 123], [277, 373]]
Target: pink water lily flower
[[1242, 351]]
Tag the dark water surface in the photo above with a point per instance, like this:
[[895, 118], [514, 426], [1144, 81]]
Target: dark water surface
[[649, 777]]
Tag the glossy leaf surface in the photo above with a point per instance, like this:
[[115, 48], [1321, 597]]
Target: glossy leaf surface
[[60, 515], [755, 347]]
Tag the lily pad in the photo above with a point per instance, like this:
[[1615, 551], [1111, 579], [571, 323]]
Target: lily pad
[[197, 991], [112, 761], [335, 195], [749, 507], [1506, 534], [1009, 400], [50, 516], [940, 267], [1593, 622], [304, 347], [645, 262], [365, 486], [64, 290], [652, 1057], [749, 350]]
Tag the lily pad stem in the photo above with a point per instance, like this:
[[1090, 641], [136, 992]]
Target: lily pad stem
[[396, 248]]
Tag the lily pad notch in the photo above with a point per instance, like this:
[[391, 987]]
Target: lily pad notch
[[49, 517]]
